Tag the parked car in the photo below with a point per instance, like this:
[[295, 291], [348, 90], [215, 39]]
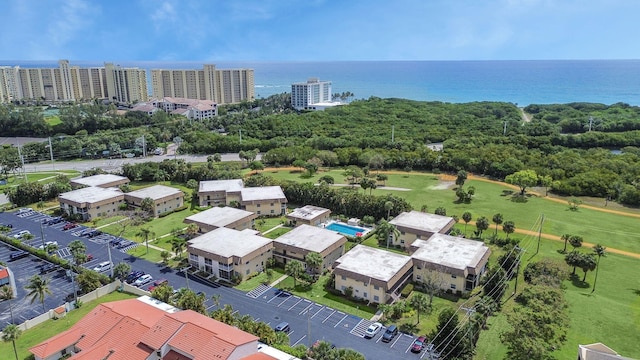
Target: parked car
[[133, 276], [69, 226], [22, 233], [390, 333], [89, 257], [18, 254], [283, 326], [53, 220], [143, 280], [47, 268], [85, 232], [157, 283], [47, 244], [418, 344], [10, 226], [372, 330], [115, 242], [103, 266]]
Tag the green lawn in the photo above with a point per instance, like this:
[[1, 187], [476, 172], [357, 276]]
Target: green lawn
[[141, 252], [277, 232], [372, 241], [105, 221], [49, 328], [266, 223], [317, 293], [428, 320], [53, 120], [160, 226], [255, 281]]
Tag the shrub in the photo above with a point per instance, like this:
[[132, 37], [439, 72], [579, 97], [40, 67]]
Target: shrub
[[407, 290]]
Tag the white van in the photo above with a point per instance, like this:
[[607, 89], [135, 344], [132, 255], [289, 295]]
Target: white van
[[20, 234], [103, 266]]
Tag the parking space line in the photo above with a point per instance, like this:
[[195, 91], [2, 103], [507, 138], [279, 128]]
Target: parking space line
[[305, 309], [283, 301], [297, 342], [317, 312], [345, 316], [397, 338], [294, 305], [274, 296], [327, 318]]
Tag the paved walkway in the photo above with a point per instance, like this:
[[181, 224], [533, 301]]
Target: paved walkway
[[279, 280]]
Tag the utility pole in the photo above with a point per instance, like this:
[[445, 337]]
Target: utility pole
[[51, 153], [393, 133], [504, 130], [110, 260], [24, 173], [240, 136], [42, 235], [144, 147], [540, 234], [590, 122], [515, 289]]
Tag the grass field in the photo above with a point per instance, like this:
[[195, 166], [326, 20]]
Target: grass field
[[43, 331], [160, 226], [53, 120]]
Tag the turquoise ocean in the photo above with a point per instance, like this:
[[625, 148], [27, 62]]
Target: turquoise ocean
[[519, 82]]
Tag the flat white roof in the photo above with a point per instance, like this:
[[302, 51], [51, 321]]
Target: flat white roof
[[90, 195], [450, 251], [311, 238], [372, 262], [227, 242], [221, 185], [262, 193], [220, 216], [100, 179], [308, 212], [155, 192], [421, 221]]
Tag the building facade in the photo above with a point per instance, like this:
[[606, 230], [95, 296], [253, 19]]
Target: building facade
[[218, 217], [219, 192], [309, 215], [165, 198], [264, 200], [416, 225], [304, 239], [229, 254], [314, 91], [72, 83], [91, 202], [223, 86]]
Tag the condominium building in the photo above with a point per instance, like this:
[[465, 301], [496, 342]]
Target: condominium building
[[311, 95], [70, 83], [223, 86]]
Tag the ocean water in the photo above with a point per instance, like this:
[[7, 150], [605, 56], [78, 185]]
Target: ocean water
[[519, 82]]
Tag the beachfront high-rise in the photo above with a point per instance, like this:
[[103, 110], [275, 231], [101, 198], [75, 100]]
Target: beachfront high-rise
[[224, 86], [311, 95], [71, 83]]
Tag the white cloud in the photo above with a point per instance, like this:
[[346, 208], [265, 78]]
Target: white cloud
[[164, 13], [74, 18]]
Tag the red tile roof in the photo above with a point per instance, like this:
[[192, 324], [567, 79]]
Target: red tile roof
[[4, 273], [259, 356], [173, 355], [132, 329]]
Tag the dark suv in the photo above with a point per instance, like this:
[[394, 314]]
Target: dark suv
[[18, 254], [391, 332]]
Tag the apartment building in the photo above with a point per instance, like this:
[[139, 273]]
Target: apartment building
[[372, 274], [218, 217], [100, 180], [223, 86], [148, 329], [219, 192], [453, 263], [304, 239], [91, 202], [71, 83], [309, 215], [228, 253], [165, 198], [311, 95], [416, 225], [264, 200]]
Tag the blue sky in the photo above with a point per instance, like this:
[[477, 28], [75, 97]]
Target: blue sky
[[323, 30]]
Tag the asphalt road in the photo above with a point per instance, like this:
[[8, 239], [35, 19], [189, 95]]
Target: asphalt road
[[309, 321], [115, 164]]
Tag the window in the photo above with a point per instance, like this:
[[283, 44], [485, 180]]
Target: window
[[272, 211], [364, 295], [376, 287], [453, 286], [271, 204], [343, 288], [257, 205], [258, 212], [418, 277], [97, 207], [247, 271], [376, 298], [344, 277], [453, 276]]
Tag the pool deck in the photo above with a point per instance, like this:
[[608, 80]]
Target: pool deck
[[365, 230]]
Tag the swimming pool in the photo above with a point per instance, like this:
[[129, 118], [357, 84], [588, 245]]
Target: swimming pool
[[345, 229]]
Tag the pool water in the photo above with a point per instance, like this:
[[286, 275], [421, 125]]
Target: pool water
[[345, 229]]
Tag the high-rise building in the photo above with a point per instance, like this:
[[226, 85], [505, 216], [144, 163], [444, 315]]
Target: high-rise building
[[304, 95], [71, 83], [224, 86]]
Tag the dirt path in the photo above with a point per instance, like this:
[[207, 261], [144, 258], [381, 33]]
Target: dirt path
[[525, 117]]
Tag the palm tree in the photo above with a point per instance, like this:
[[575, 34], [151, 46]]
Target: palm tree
[[587, 263], [385, 230], [38, 289], [177, 245], [11, 333], [6, 293], [121, 270], [388, 206], [575, 241], [313, 260], [497, 219], [145, 234], [420, 303], [509, 227], [599, 251], [78, 251], [294, 269], [466, 217], [565, 238]]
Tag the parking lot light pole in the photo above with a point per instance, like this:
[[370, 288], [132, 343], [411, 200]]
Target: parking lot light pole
[[42, 235], [110, 261]]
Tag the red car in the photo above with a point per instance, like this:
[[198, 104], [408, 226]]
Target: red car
[[157, 283], [69, 226], [418, 344]]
